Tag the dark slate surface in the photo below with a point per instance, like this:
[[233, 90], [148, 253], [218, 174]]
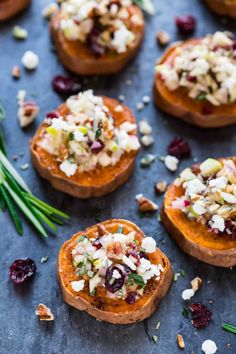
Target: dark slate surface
[[73, 331]]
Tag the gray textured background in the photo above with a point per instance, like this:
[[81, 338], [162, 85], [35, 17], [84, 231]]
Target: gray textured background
[[73, 331]]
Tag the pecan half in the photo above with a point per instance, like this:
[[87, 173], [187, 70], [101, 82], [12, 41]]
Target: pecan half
[[145, 204], [44, 313]]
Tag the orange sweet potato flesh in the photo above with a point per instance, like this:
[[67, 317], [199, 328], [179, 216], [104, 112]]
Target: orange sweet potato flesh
[[178, 104], [223, 7], [195, 238], [100, 306], [95, 183], [9, 8], [78, 58]]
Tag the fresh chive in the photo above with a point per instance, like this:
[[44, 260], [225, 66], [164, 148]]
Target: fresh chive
[[44, 219], [120, 230], [44, 259], [98, 133], [185, 313], [229, 328], [81, 238], [2, 202], [136, 278], [201, 96], [2, 111], [15, 217]]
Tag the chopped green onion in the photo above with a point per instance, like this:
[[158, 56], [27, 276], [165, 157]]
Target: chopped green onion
[[136, 278], [229, 328], [120, 230]]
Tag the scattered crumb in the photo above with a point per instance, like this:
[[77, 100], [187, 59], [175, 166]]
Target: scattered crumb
[[196, 283], [180, 341], [209, 347], [144, 127], [171, 163], [30, 60], [145, 204], [121, 98], [128, 82], [158, 325], [24, 167], [44, 313], [19, 32], [154, 338], [146, 99], [15, 72], [187, 294], [160, 187], [140, 106], [147, 140], [163, 38], [119, 108], [44, 259], [27, 111], [15, 157]]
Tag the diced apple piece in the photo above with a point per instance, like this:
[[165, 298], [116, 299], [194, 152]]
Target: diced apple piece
[[210, 167]]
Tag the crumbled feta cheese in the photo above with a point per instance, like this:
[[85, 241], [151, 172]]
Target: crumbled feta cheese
[[187, 294], [68, 168], [149, 245], [30, 60], [49, 10], [209, 347], [128, 262], [217, 222], [147, 140], [144, 127], [116, 274], [171, 162], [78, 285]]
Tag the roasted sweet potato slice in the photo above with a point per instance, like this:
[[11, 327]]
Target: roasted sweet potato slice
[[195, 238], [223, 7], [178, 104], [95, 183], [9, 8], [101, 306], [78, 57]]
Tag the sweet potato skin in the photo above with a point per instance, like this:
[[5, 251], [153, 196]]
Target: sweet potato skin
[[222, 7], [9, 8], [85, 185], [178, 104], [194, 238], [101, 307], [78, 58]]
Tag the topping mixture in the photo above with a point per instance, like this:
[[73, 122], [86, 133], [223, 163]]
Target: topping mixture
[[210, 195], [207, 70], [86, 137], [116, 261], [104, 25]]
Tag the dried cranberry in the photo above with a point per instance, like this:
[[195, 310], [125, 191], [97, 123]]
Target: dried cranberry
[[97, 243], [65, 85], [97, 146], [93, 42], [112, 284], [201, 315], [21, 270], [207, 109], [53, 114], [131, 298], [143, 255], [179, 148], [191, 78], [186, 24], [134, 254]]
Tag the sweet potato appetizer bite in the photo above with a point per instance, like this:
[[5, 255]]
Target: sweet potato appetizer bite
[[196, 81], [113, 272], [199, 211], [223, 7], [97, 37], [9, 8], [86, 148]]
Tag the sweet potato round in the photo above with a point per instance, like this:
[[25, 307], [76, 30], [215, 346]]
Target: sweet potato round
[[9, 8], [222, 7], [178, 104], [195, 238], [78, 58], [95, 183], [101, 307]]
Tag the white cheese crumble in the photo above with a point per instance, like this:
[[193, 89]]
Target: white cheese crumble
[[171, 163], [209, 347], [149, 245], [187, 294], [78, 285], [30, 60]]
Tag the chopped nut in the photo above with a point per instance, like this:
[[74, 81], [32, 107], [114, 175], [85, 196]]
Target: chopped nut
[[196, 283], [44, 313], [145, 204], [27, 111], [49, 10], [15, 72], [163, 37], [101, 230], [160, 187], [180, 341]]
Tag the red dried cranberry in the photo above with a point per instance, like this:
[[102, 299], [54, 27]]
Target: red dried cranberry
[[143, 255], [131, 298], [93, 42], [134, 254], [191, 78], [186, 24], [207, 109], [53, 114], [97, 243], [97, 146], [201, 315], [21, 270], [179, 148], [112, 284], [65, 85]]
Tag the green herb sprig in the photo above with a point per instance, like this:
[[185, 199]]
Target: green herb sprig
[[146, 5], [229, 328], [16, 196]]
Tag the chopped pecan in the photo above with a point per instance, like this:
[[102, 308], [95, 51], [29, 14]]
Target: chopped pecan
[[145, 204], [44, 313], [115, 250], [163, 38], [160, 187], [101, 230], [196, 283], [15, 72]]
